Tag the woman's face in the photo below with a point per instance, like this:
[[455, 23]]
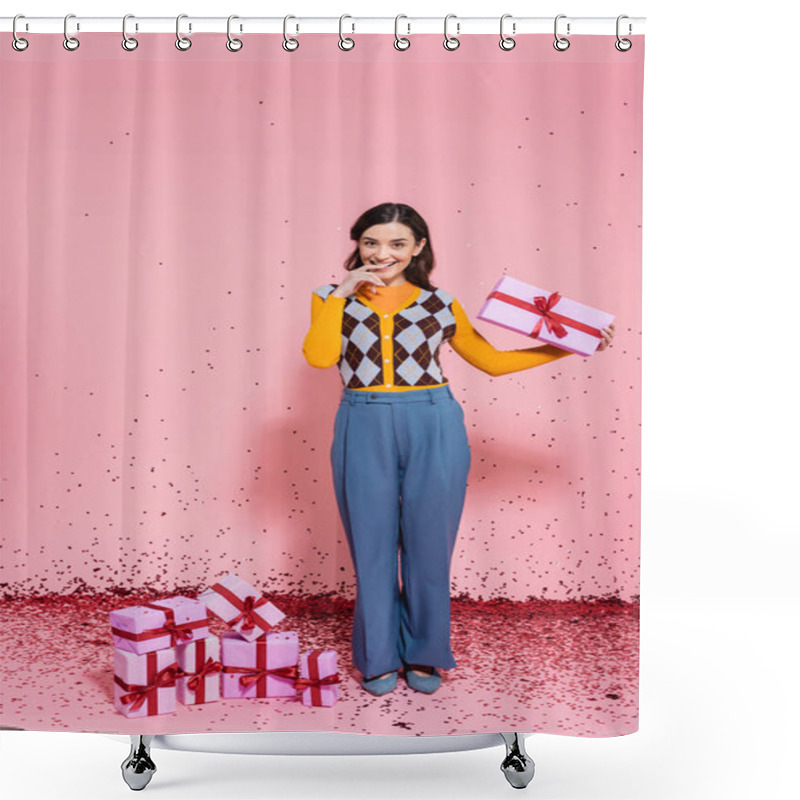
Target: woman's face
[[391, 244]]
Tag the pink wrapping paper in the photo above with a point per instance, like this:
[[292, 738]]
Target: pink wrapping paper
[[319, 667], [142, 629], [271, 651], [200, 661], [560, 323], [251, 615], [150, 676]]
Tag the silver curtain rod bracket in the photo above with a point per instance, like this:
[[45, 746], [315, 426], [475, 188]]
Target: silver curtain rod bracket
[[129, 42], [290, 44], [17, 42]]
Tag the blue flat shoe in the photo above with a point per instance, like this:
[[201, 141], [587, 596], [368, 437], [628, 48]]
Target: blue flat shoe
[[423, 683], [379, 686]]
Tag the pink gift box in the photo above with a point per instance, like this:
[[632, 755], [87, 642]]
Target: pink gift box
[[144, 685], [162, 623], [319, 679], [546, 316], [200, 671], [244, 608], [266, 667]]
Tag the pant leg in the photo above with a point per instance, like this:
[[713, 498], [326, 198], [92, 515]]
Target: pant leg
[[433, 487], [366, 481]]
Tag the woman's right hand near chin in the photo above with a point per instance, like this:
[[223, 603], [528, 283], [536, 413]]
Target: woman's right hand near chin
[[355, 277]]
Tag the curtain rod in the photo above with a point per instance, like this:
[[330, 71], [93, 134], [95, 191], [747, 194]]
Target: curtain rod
[[407, 25]]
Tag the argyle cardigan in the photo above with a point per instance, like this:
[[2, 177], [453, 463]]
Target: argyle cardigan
[[418, 332]]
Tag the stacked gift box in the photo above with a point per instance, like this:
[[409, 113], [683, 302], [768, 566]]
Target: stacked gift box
[[164, 653]]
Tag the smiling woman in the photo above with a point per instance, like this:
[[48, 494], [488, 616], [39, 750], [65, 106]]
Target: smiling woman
[[401, 454], [165, 431]]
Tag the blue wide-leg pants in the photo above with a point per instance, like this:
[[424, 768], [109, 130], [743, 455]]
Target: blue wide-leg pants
[[400, 462]]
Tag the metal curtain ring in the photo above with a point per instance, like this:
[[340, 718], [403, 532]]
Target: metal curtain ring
[[560, 43], [623, 45], [70, 42], [401, 43], [17, 42], [451, 42], [233, 44], [128, 42], [506, 42], [345, 42], [182, 42], [289, 43]]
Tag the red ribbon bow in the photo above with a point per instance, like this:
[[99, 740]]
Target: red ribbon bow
[[184, 630], [252, 674], [176, 632], [309, 683], [280, 672], [208, 668], [138, 694], [247, 607], [543, 307], [248, 614], [544, 304]]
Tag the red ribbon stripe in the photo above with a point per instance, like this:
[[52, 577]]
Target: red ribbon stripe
[[543, 307]]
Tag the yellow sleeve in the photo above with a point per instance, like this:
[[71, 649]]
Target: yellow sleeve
[[476, 350], [322, 346]]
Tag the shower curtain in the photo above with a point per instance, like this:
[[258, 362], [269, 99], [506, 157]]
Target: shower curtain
[[242, 475]]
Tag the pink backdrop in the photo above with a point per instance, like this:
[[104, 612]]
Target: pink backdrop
[[165, 216]]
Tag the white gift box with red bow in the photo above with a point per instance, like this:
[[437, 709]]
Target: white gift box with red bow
[[241, 606], [547, 316]]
